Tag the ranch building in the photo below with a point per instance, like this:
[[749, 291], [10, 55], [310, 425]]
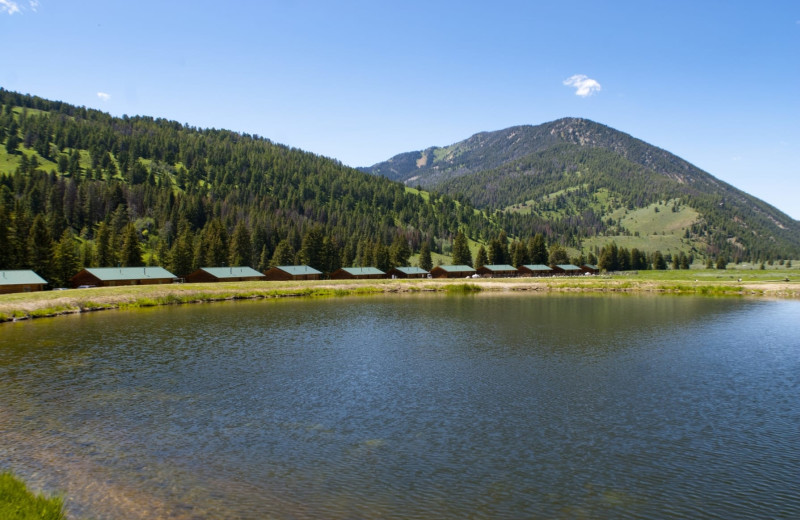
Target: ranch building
[[407, 272], [590, 269], [115, 276], [22, 280], [497, 271], [567, 270], [286, 273], [452, 271], [357, 273], [535, 270], [224, 274]]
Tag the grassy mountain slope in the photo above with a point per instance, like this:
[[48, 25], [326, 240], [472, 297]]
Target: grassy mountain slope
[[566, 168]]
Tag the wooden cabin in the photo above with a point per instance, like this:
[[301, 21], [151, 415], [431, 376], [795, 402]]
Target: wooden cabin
[[224, 274], [452, 271], [407, 272], [497, 271], [22, 280], [287, 273], [116, 276], [566, 270], [590, 269], [357, 273], [535, 270]]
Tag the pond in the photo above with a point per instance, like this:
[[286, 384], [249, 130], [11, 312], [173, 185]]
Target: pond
[[483, 407]]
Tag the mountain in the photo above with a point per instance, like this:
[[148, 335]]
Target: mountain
[[80, 188], [563, 169]]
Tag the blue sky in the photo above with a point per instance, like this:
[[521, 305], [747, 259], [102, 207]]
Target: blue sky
[[717, 83]]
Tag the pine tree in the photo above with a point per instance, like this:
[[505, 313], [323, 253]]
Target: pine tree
[[311, 250], [558, 255], [481, 258], [105, 255], [284, 254], [519, 254], [182, 253], [65, 259], [609, 259], [425, 261], [537, 250], [131, 253], [461, 253], [240, 249], [40, 247], [7, 240], [399, 252], [214, 244], [381, 257], [659, 262]]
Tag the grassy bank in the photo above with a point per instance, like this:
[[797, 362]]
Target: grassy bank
[[19, 503], [771, 283]]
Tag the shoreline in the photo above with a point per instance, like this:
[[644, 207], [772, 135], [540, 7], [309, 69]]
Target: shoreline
[[26, 306]]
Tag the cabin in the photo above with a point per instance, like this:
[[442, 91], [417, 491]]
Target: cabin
[[286, 273], [452, 271], [497, 271], [407, 272], [357, 273], [590, 269], [116, 276], [224, 274], [566, 270], [22, 280], [535, 270]]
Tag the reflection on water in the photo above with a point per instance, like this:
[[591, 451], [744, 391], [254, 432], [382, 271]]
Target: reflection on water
[[411, 407]]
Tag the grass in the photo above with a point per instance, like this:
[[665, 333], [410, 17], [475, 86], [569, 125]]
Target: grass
[[19, 503]]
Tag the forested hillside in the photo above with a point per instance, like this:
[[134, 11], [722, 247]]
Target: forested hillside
[[81, 188], [578, 171]]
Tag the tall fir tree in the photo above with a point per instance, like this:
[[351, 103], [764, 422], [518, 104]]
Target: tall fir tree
[[284, 254], [65, 259], [131, 252], [481, 258], [461, 252], [40, 248], [425, 261], [537, 250], [240, 247]]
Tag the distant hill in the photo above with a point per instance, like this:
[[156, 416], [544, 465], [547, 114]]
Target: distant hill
[[559, 171]]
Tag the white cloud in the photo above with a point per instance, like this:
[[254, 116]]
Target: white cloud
[[584, 86], [34, 4], [7, 6], [102, 95]]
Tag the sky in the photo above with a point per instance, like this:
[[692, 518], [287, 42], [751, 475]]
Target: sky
[[716, 83]]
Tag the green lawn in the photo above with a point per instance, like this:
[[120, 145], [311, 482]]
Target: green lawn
[[19, 503]]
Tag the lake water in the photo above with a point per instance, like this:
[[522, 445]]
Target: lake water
[[395, 407]]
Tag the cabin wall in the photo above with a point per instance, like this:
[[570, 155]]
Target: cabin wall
[[27, 287]]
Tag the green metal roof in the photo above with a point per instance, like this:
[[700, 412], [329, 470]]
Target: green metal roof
[[591, 266], [356, 271], [411, 270], [20, 277], [569, 267], [232, 272], [297, 270], [128, 273], [537, 267], [500, 267], [456, 268]]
